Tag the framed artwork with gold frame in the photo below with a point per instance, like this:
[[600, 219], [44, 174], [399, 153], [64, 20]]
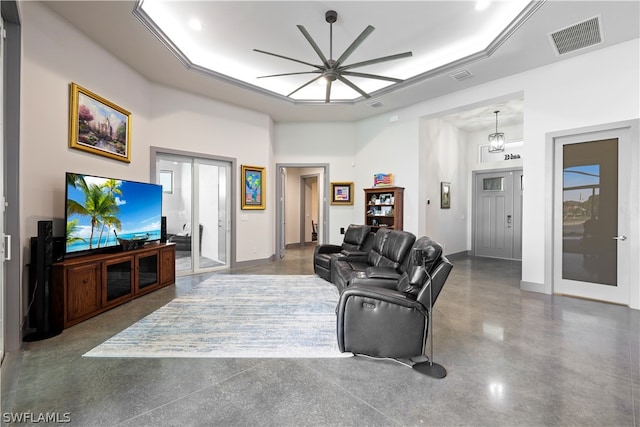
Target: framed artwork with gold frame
[[253, 187], [98, 126], [342, 193]]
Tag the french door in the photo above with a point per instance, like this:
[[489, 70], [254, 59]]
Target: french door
[[498, 214], [5, 247], [197, 200], [592, 222]]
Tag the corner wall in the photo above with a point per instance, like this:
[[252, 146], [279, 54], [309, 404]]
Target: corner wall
[[576, 92], [54, 55]]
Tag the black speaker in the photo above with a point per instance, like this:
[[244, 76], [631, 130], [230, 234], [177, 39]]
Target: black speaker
[[58, 248], [41, 298], [45, 241], [163, 230]]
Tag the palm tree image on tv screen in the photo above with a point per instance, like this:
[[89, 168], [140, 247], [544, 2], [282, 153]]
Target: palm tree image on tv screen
[[106, 212]]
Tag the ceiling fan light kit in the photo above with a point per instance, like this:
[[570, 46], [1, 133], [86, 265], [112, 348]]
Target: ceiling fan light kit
[[334, 69]]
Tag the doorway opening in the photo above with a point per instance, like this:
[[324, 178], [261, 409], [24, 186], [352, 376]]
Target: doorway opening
[[302, 211]]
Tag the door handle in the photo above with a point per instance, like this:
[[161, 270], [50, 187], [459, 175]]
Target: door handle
[[7, 247], [621, 238]]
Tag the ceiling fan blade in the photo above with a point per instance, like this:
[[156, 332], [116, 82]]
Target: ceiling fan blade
[[377, 60], [314, 45], [290, 74], [355, 44], [327, 98], [371, 76], [287, 58], [305, 85], [354, 87]]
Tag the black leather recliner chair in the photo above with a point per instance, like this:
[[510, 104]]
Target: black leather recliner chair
[[387, 260], [382, 322], [357, 242], [183, 240]]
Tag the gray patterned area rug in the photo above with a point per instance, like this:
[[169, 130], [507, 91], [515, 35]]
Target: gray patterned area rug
[[257, 316]]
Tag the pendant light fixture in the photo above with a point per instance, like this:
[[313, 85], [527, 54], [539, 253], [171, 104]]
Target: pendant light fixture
[[496, 140]]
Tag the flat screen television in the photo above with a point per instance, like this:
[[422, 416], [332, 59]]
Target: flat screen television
[[107, 213]]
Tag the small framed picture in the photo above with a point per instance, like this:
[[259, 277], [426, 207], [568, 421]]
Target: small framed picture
[[445, 195], [253, 187], [342, 193]]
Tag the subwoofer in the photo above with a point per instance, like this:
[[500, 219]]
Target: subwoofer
[[40, 305]]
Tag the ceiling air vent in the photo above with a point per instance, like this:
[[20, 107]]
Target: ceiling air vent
[[375, 104], [579, 36], [461, 75]]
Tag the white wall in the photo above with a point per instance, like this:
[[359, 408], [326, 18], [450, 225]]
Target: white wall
[[192, 123], [56, 54], [573, 93], [443, 158], [576, 92], [332, 143]]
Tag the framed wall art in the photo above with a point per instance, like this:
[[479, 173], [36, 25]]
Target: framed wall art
[[445, 195], [98, 126], [342, 193], [253, 187]]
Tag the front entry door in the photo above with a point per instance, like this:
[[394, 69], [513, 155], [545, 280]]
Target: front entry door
[[498, 214], [591, 216]]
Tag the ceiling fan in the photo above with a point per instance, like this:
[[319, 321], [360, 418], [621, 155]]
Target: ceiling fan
[[333, 69]]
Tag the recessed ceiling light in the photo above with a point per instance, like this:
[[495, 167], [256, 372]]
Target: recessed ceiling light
[[482, 4], [195, 24]]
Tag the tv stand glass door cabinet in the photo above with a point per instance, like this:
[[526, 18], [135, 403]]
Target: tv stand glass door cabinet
[[85, 286], [147, 266], [119, 280]]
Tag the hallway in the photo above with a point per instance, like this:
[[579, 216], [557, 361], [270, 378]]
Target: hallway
[[513, 358]]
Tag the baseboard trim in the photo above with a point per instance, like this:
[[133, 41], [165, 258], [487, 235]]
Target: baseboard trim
[[459, 254], [532, 287], [299, 245], [254, 262]]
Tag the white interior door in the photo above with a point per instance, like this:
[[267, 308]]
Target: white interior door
[[592, 229], [3, 253]]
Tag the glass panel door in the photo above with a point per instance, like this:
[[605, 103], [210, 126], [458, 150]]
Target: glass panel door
[[591, 255], [197, 208], [176, 173], [213, 186]]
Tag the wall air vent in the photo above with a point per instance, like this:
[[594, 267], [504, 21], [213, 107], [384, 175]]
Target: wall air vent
[[461, 75], [375, 104], [579, 36]]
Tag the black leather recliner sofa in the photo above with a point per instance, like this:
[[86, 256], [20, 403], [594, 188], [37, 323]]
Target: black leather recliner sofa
[[383, 265], [381, 320], [357, 242]]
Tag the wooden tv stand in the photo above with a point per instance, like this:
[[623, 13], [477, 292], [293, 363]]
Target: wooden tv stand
[[85, 286]]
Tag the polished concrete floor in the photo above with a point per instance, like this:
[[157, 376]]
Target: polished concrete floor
[[514, 358]]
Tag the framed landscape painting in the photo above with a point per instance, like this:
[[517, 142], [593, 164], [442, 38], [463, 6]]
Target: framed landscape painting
[[98, 126], [342, 193], [253, 187]]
